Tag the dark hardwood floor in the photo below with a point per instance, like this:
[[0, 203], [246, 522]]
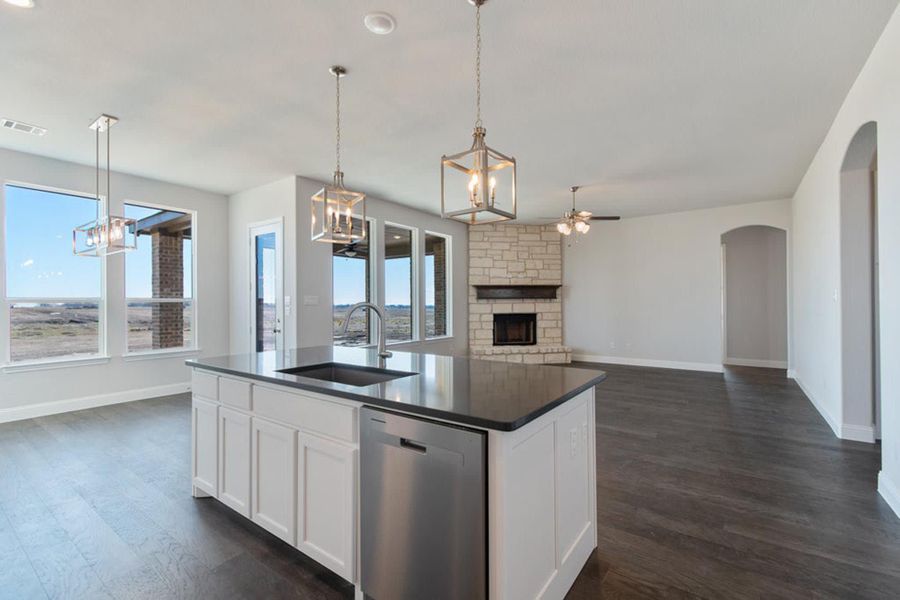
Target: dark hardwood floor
[[709, 486]]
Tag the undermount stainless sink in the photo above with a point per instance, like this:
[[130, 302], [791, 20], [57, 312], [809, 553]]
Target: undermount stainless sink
[[346, 374]]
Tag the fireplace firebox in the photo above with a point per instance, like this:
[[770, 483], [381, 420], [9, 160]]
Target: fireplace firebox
[[516, 329]]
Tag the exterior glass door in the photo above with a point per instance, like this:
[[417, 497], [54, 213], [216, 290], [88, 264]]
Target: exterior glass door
[[267, 299]]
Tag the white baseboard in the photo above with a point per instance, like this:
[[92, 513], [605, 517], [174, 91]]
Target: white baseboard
[[30, 411], [649, 362], [792, 374], [756, 362], [829, 418], [858, 433], [889, 491]]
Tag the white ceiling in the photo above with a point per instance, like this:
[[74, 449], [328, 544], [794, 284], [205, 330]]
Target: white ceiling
[[656, 105]]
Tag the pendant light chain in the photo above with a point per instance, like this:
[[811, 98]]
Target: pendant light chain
[[337, 126], [108, 192], [478, 64], [97, 170]]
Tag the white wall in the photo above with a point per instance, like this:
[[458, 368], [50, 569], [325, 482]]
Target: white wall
[[309, 277], [856, 303], [756, 296], [816, 349], [647, 290], [25, 394]]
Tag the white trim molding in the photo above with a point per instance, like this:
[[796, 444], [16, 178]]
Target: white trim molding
[[829, 418], [649, 362], [756, 362], [889, 491], [42, 409], [858, 433]]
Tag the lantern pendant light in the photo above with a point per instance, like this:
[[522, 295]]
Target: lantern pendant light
[[577, 221], [338, 215], [107, 234], [479, 184]]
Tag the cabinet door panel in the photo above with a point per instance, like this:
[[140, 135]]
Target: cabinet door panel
[[273, 470], [326, 503], [205, 449], [234, 460], [573, 494]]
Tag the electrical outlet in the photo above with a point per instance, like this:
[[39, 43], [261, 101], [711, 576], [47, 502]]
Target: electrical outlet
[[573, 442]]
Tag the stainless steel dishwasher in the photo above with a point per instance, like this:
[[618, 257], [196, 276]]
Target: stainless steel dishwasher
[[423, 495]]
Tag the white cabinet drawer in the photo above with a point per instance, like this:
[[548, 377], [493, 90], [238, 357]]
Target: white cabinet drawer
[[306, 412], [205, 385], [235, 393]]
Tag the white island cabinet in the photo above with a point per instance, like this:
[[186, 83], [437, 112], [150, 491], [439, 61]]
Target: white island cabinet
[[288, 459]]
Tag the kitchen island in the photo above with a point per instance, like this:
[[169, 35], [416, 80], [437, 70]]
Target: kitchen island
[[284, 450]]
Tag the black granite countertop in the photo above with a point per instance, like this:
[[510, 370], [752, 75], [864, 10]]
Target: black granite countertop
[[488, 394]]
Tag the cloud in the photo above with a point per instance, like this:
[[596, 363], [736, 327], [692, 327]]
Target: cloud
[[28, 263]]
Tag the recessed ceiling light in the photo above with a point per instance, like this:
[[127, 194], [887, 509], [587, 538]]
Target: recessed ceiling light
[[23, 127], [21, 3], [380, 23]]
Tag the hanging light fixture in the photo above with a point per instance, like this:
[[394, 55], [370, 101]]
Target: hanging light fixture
[[338, 215], [577, 221], [107, 234], [478, 185]]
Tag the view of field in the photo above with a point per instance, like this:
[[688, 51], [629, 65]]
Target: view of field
[[53, 330], [399, 328]]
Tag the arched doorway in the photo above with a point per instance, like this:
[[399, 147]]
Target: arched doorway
[[861, 406], [754, 297]]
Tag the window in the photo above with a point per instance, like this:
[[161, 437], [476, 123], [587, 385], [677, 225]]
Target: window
[[159, 280], [437, 267], [53, 296], [352, 278], [399, 242]]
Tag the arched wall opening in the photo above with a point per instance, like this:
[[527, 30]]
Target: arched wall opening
[[860, 377], [754, 297]]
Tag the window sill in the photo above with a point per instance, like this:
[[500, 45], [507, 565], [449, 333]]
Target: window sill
[[401, 342], [160, 354], [440, 338], [63, 363]]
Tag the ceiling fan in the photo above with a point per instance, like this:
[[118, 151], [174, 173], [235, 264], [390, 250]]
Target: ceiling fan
[[579, 220], [349, 250]]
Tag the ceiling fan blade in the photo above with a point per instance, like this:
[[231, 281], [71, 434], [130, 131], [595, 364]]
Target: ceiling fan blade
[[605, 218]]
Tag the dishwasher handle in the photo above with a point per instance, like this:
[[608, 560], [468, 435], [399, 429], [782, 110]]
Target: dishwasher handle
[[411, 445]]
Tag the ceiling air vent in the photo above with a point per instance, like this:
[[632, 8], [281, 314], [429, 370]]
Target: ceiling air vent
[[23, 127]]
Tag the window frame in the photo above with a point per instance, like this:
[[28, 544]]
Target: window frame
[[448, 285], [414, 293], [6, 301], [195, 329]]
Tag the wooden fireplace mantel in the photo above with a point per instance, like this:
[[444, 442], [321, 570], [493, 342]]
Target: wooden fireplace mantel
[[516, 292]]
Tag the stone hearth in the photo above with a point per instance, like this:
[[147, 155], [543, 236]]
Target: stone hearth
[[505, 254]]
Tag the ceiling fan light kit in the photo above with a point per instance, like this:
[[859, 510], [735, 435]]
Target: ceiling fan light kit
[[478, 185], [574, 221]]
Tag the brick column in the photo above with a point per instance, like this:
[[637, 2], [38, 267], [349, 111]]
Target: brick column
[[168, 282]]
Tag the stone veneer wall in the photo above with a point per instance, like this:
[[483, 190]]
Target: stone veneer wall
[[516, 254]]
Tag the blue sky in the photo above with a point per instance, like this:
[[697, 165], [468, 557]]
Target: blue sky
[[350, 280], [40, 263]]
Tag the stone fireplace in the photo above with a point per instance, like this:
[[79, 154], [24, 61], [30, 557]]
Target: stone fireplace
[[515, 312]]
